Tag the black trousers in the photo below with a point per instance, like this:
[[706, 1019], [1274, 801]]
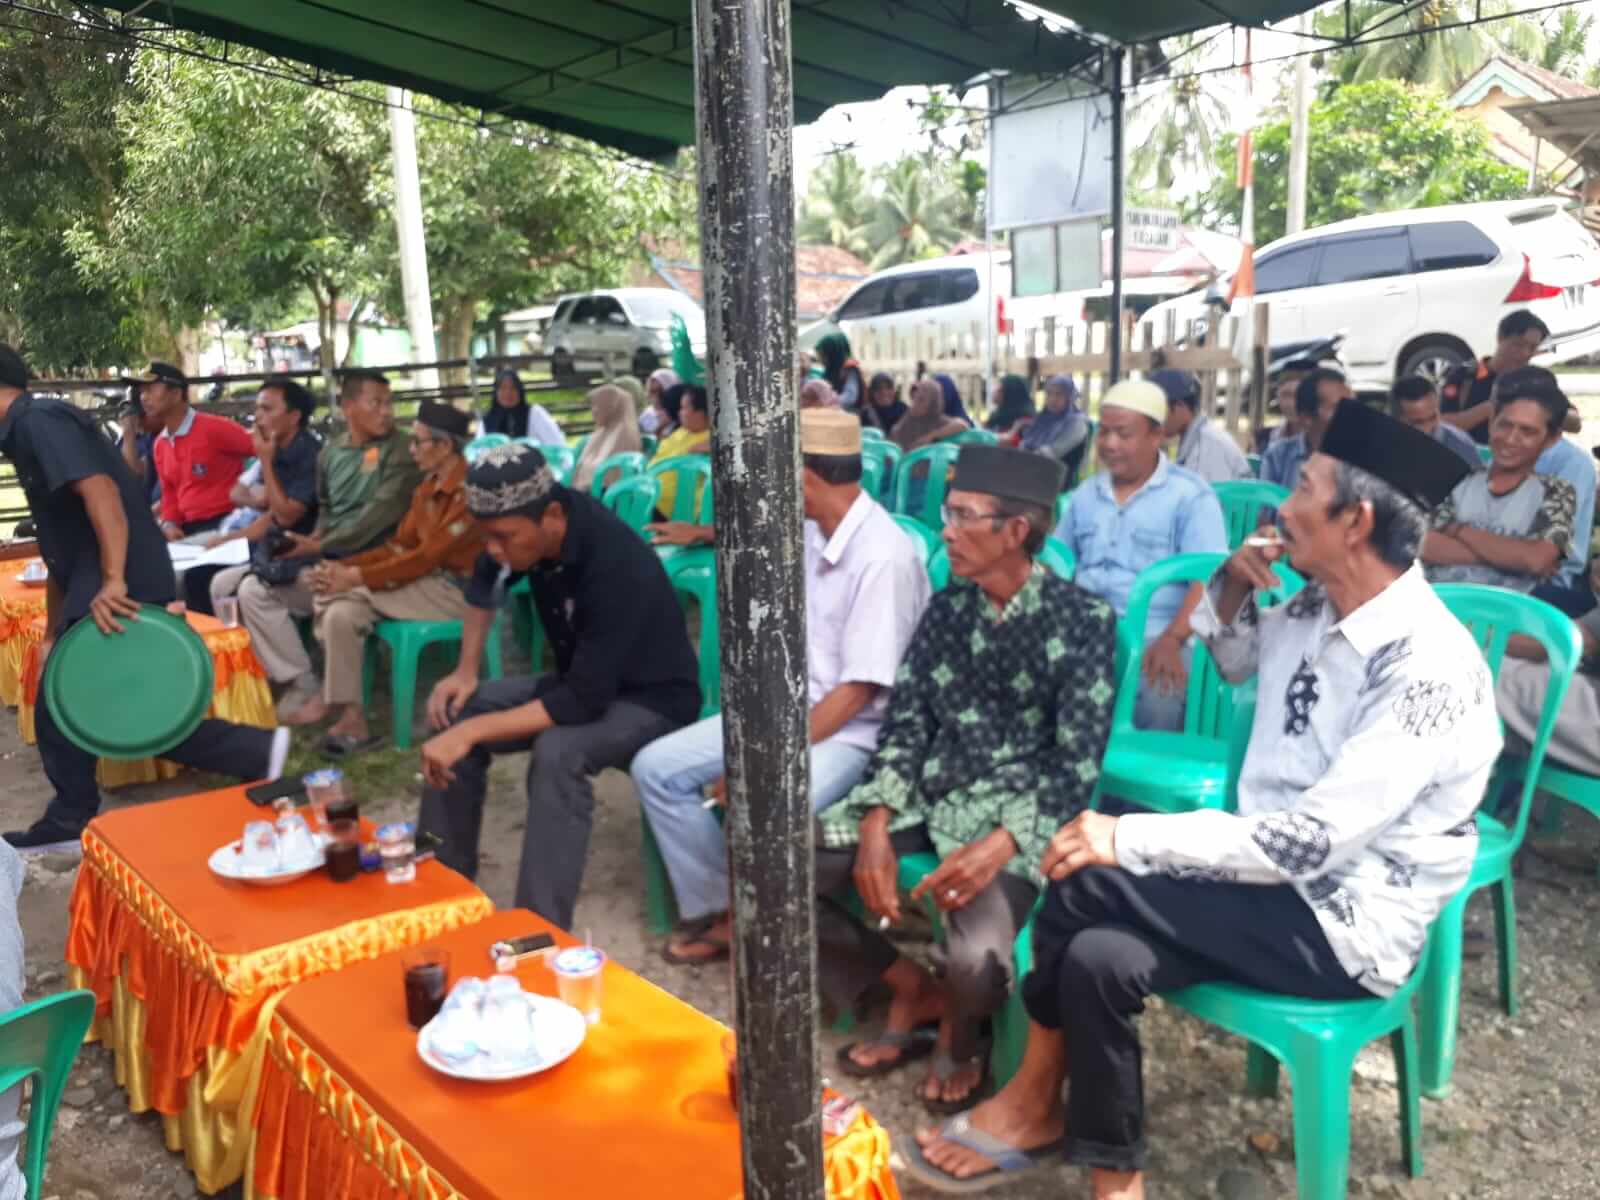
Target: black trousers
[[238, 751], [1105, 939], [555, 841]]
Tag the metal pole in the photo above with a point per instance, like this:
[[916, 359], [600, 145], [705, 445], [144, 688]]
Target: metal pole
[[991, 321], [408, 225], [1118, 154], [744, 119], [1299, 136]]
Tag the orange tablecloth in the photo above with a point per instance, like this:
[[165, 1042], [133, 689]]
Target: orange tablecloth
[[240, 693], [185, 965], [348, 1110], [19, 605]]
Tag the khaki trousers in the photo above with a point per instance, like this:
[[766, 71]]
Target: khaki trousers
[[344, 621], [268, 613]]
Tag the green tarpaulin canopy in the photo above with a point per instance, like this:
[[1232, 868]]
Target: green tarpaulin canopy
[[620, 72]]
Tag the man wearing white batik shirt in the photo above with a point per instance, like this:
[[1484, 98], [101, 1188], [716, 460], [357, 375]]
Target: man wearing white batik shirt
[[1374, 735]]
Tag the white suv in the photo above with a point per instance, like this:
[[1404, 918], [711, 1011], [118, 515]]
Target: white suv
[[634, 323], [1420, 291]]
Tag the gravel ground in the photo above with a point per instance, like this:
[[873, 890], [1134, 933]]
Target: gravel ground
[[1521, 1122]]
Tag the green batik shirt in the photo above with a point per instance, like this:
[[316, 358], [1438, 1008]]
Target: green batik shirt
[[998, 719]]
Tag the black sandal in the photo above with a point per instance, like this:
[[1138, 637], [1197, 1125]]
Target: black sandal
[[915, 1044], [696, 931]]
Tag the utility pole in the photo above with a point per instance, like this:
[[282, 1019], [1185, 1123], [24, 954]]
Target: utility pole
[[413, 243], [1114, 65], [1299, 135], [744, 119]]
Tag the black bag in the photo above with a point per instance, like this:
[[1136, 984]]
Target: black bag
[[275, 572]]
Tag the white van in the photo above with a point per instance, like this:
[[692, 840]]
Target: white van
[[1421, 291], [948, 292]]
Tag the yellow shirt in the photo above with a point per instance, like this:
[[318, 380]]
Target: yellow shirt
[[679, 441]]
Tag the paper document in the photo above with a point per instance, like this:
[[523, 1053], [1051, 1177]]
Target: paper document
[[232, 553]]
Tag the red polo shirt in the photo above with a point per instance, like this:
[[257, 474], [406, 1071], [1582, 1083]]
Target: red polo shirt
[[199, 465]]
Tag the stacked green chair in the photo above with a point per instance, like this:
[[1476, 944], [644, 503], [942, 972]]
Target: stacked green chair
[[874, 469], [40, 1042], [1493, 615], [889, 454], [561, 458], [1243, 501], [474, 449], [406, 641], [615, 469], [1318, 1041], [1164, 771], [692, 502], [927, 541], [936, 461], [634, 500], [976, 437]]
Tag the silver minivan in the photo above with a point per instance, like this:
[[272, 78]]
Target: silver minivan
[[633, 325]]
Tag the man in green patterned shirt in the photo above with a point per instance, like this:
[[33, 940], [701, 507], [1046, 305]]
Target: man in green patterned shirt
[[992, 740]]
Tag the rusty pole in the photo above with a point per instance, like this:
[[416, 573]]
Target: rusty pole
[[745, 117]]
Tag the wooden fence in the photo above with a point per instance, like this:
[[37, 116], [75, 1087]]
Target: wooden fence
[[1233, 390]]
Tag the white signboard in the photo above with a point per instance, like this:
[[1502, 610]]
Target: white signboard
[[1151, 229], [1052, 152]]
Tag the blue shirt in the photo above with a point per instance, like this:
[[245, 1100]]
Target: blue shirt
[[1175, 512], [1566, 461], [1282, 462]]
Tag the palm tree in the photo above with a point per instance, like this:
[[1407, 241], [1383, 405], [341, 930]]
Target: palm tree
[[1566, 43], [1448, 45], [836, 204], [916, 215], [1176, 124]]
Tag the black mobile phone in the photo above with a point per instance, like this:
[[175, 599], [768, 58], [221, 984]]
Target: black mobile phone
[[517, 949], [264, 794], [428, 845]]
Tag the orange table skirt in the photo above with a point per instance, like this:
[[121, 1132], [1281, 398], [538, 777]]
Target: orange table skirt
[[182, 1018], [20, 604], [240, 693]]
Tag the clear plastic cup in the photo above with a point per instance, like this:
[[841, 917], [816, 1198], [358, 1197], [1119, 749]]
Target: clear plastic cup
[[228, 611], [578, 977], [296, 843], [324, 787], [397, 846]]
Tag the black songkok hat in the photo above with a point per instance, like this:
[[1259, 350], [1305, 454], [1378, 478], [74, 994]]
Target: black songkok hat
[[1407, 459], [1009, 474], [508, 480], [445, 418]]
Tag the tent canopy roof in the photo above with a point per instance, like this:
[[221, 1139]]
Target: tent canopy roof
[[621, 72]]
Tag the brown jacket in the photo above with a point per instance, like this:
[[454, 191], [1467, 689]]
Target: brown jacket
[[436, 534]]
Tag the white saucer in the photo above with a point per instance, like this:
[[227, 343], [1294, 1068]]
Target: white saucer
[[558, 1031], [227, 862]]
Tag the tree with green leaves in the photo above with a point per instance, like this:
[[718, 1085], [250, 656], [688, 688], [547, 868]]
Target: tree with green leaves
[[61, 159], [836, 205], [1374, 146], [1448, 41], [916, 215], [1177, 123], [240, 186], [1566, 43]]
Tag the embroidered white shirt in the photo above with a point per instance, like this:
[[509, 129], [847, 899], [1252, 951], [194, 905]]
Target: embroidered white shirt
[[1372, 743]]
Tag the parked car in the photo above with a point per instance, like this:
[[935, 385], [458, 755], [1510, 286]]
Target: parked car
[[951, 293], [634, 322], [1421, 291]]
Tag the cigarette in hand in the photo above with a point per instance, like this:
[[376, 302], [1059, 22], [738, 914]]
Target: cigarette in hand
[[1262, 541], [883, 923]]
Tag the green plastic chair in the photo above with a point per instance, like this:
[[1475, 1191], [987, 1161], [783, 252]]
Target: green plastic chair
[[561, 458], [937, 460], [1493, 615], [976, 437], [634, 500], [1253, 461], [615, 469], [474, 449], [692, 501], [648, 443], [406, 641], [870, 433], [1561, 786], [889, 454], [874, 469], [1242, 503], [928, 542], [1063, 502], [1485, 455], [1164, 771], [40, 1041]]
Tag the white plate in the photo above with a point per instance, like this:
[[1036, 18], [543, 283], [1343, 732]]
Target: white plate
[[228, 863], [559, 1029]]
